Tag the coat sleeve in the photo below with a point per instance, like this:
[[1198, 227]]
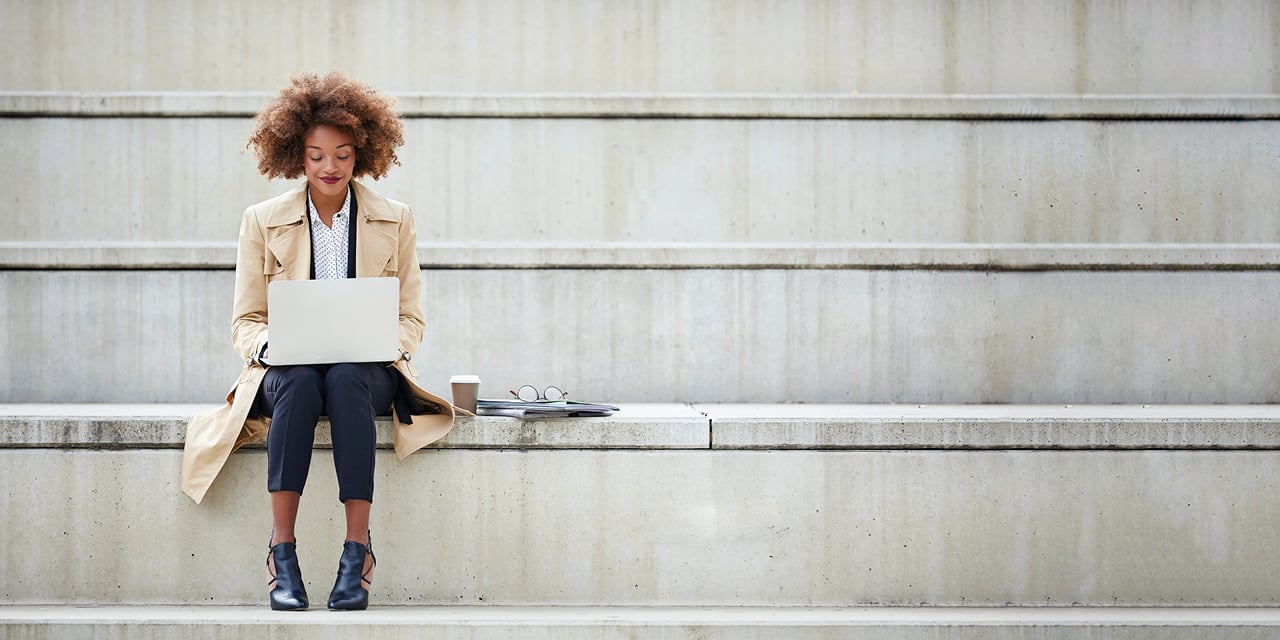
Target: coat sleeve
[[249, 315], [410, 275]]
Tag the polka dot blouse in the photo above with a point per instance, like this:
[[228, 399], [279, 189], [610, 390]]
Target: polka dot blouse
[[331, 243]]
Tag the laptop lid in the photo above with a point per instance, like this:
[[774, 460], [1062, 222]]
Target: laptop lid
[[331, 321]]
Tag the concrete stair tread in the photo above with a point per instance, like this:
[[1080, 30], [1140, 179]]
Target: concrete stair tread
[[678, 255], [185, 410], [674, 105], [727, 426], [678, 616], [656, 622], [647, 426], [940, 412]]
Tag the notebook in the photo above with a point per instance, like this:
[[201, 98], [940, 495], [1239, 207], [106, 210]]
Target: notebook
[[331, 321]]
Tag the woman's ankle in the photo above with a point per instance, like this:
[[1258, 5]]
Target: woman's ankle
[[277, 538]]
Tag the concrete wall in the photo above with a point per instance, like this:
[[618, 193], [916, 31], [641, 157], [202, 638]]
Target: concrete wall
[[658, 180], [759, 46], [827, 335], [820, 332], [669, 528]]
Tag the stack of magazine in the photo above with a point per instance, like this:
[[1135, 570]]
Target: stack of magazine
[[542, 409]]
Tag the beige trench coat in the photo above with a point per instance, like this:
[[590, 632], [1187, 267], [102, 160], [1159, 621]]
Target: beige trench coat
[[275, 244]]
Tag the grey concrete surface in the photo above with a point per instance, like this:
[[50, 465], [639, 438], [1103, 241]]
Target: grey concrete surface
[[1022, 106], [669, 528], [818, 336], [688, 255], [721, 46], [701, 181], [133, 426], [633, 623], [678, 426], [993, 426], [1152, 413]]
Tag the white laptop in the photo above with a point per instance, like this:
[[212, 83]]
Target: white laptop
[[331, 321]]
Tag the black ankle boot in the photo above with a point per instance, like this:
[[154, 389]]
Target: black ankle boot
[[349, 590], [288, 594]]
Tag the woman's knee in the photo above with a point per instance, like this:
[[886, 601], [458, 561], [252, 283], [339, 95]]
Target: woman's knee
[[349, 375], [359, 387], [346, 390]]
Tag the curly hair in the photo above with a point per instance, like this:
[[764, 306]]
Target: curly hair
[[336, 100]]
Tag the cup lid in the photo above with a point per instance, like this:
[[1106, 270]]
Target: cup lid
[[465, 378]]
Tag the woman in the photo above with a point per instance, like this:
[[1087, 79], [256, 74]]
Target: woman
[[329, 129]]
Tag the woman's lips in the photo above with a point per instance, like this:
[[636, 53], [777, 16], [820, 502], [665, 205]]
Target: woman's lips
[[331, 180]]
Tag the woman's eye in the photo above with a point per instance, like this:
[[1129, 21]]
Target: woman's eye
[[316, 159], [343, 157]]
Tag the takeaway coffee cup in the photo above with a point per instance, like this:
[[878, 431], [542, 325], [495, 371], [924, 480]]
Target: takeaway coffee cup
[[466, 388]]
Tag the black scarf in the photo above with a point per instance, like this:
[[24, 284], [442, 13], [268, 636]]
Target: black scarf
[[351, 239]]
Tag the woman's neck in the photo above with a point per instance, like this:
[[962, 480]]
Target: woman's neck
[[326, 206]]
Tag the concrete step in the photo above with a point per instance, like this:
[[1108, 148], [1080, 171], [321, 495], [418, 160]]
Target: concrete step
[[795, 506], [849, 178], [915, 46], [722, 426], [678, 106], [733, 335], [643, 623], [164, 426], [152, 255]]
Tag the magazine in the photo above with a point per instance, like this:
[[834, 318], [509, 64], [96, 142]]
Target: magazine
[[542, 409]]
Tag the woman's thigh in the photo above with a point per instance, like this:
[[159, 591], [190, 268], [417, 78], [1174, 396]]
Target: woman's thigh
[[378, 380], [296, 382]]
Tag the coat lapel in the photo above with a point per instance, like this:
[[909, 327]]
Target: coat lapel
[[376, 229], [290, 247], [290, 243]]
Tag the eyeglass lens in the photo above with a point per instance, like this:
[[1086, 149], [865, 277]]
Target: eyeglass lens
[[529, 393]]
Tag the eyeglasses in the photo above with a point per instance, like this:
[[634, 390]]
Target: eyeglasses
[[529, 393]]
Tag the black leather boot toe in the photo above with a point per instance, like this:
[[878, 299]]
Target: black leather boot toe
[[350, 592], [288, 594]]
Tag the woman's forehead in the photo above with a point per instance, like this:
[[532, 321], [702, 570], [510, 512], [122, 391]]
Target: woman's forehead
[[327, 137]]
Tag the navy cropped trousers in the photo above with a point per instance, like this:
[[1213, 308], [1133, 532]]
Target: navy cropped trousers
[[295, 397]]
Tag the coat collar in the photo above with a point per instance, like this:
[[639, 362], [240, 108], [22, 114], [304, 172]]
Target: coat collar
[[376, 240], [373, 207], [291, 207]]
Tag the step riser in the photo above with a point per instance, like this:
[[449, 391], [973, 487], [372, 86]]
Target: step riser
[[699, 335], [669, 528], [655, 180], [992, 46], [286, 628]]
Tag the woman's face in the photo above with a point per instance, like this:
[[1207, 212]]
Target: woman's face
[[329, 157]]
